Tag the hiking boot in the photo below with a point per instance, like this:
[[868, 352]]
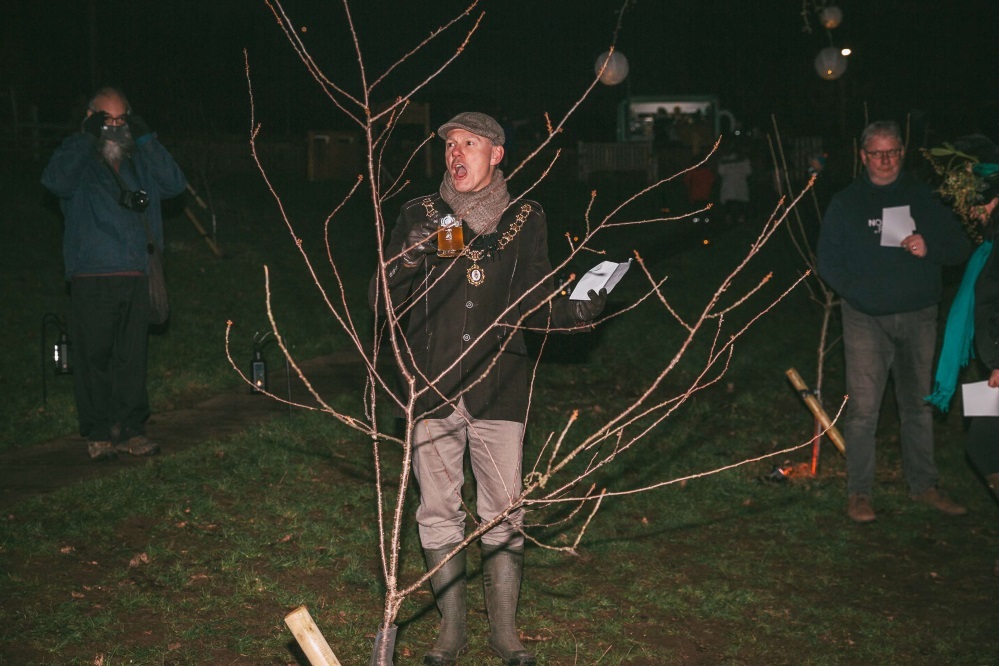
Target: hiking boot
[[138, 446], [939, 500], [101, 450], [859, 509]]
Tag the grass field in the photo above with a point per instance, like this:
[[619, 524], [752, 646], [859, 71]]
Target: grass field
[[196, 557]]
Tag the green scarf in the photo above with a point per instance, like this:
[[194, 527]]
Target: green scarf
[[959, 332]]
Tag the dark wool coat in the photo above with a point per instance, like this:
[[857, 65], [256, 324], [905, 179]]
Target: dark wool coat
[[987, 307], [457, 330]]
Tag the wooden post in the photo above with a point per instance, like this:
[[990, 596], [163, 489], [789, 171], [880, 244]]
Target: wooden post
[[309, 638], [820, 414], [197, 224], [201, 230]]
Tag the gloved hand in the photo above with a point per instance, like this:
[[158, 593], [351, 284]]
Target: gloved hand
[[138, 127], [94, 123], [421, 241], [584, 311]]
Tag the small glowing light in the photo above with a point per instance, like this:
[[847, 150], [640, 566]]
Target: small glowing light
[[304, 29], [706, 242], [845, 52]]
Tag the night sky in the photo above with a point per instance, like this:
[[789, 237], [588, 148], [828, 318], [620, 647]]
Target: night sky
[[181, 62]]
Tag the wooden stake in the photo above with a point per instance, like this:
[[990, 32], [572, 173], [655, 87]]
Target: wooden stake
[[197, 197], [820, 414], [309, 638], [197, 225]]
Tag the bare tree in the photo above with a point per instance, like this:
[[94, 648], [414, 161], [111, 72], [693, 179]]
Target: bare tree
[[565, 471]]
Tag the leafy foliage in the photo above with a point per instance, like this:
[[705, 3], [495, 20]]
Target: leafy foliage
[[959, 184]]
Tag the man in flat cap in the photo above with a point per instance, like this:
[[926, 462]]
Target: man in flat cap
[[466, 317]]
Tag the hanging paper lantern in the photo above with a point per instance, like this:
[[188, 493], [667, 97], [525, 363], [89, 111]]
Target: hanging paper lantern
[[831, 17], [830, 63], [616, 70]]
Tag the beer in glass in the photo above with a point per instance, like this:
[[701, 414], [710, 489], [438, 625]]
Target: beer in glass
[[450, 241]]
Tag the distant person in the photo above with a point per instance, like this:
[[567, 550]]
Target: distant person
[[661, 124], [471, 366], [890, 294], [106, 259], [700, 183], [734, 170]]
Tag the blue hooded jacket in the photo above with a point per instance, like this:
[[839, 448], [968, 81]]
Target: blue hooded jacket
[[102, 236]]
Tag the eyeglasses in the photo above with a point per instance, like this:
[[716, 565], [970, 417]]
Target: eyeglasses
[[112, 121], [884, 155]]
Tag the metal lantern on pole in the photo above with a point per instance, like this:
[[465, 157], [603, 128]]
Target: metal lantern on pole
[[616, 69], [258, 364], [58, 354], [830, 63]]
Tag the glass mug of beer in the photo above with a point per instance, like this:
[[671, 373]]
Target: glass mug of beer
[[450, 241]]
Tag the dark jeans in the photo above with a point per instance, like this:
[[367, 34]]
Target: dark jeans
[[109, 328], [901, 345]]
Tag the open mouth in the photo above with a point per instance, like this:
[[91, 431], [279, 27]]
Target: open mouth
[[459, 170]]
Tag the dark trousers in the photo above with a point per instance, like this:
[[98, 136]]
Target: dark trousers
[[982, 444], [109, 328], [900, 344]]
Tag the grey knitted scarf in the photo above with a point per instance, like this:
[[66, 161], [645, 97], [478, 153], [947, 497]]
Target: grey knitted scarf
[[480, 210]]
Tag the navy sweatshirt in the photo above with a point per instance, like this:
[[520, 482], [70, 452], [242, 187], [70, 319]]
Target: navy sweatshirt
[[887, 280]]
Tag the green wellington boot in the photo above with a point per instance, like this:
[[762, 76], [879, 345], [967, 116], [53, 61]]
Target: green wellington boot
[[502, 570], [450, 591]]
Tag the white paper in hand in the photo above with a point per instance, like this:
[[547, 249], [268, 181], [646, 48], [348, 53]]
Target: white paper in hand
[[604, 275], [980, 399], [896, 225]]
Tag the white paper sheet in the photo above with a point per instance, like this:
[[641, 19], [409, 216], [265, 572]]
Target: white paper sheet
[[604, 275], [896, 225], [980, 399]]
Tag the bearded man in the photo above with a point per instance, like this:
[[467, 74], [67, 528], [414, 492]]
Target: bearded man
[[110, 179], [466, 316]]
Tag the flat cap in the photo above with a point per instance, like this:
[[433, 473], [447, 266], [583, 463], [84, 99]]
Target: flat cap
[[477, 123]]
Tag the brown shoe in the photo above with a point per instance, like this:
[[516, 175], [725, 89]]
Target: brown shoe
[[101, 450], [138, 446], [993, 481], [939, 500], [859, 509]]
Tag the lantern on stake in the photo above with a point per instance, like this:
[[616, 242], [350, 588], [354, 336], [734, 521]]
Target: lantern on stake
[[258, 364], [57, 354]]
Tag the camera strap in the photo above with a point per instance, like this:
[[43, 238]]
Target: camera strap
[[122, 189]]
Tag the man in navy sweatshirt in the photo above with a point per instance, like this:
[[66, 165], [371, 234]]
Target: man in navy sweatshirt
[[890, 293]]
